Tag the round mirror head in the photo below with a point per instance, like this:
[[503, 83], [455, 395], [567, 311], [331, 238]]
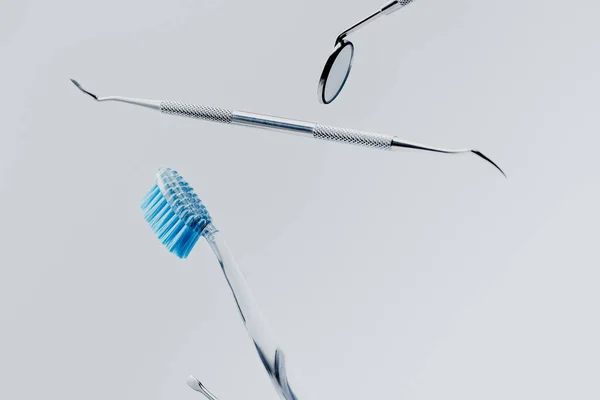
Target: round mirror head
[[336, 71]]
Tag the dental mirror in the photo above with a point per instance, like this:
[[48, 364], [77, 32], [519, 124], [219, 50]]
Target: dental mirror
[[337, 68], [336, 71]]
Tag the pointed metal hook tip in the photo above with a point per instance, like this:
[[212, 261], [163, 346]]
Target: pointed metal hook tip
[[398, 144], [78, 85], [486, 158], [154, 104]]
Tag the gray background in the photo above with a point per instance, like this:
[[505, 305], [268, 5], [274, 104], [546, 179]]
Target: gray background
[[385, 275]]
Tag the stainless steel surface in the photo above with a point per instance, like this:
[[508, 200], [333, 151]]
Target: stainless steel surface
[[265, 121], [394, 5], [195, 384], [350, 136], [196, 111], [358, 25], [385, 9], [286, 125]]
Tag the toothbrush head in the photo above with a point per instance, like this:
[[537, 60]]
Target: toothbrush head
[[175, 213]]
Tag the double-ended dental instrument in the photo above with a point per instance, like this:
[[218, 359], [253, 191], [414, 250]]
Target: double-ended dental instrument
[[309, 129], [338, 65], [179, 219]]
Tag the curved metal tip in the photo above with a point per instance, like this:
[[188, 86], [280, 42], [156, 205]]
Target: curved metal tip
[[78, 85], [486, 158], [154, 104], [398, 144], [195, 384]]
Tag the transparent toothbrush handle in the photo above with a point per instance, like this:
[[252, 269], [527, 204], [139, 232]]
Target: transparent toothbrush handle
[[270, 354]]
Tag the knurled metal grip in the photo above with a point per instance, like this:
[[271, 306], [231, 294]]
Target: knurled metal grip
[[392, 6], [196, 111], [367, 139]]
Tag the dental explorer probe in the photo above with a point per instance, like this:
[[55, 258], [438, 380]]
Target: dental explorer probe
[[317, 131]]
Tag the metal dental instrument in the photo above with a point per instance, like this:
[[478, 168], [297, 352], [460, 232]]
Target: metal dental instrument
[[195, 384], [307, 129], [338, 65]]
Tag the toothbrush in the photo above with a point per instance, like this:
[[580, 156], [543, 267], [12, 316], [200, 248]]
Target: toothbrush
[[309, 129], [179, 219]]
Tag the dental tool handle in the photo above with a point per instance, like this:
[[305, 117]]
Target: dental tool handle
[[270, 354], [317, 131], [196, 111], [385, 9], [350, 136], [394, 5]]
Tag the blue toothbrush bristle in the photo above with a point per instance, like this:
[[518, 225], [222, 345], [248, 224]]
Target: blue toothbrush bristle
[[175, 213]]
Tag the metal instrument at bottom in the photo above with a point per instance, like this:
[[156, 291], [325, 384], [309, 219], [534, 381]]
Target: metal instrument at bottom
[[195, 384]]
